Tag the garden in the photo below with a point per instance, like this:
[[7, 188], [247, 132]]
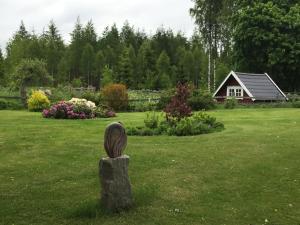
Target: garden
[[192, 160]]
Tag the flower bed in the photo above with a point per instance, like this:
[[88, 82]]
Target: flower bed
[[77, 109]]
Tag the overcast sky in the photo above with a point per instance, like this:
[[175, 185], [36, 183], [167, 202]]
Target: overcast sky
[[146, 15]]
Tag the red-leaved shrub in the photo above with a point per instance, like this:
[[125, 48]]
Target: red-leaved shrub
[[178, 108]]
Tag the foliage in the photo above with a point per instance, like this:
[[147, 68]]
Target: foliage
[[107, 77], [76, 83], [152, 119], [296, 104], [141, 105], [165, 98], [230, 103], [30, 72], [266, 39], [67, 110], [10, 104], [199, 123], [92, 96], [103, 111], [38, 101], [83, 106], [201, 101], [178, 107], [115, 96]]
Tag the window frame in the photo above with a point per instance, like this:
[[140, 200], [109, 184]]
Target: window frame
[[234, 88]]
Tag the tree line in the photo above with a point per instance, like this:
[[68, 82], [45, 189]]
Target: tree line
[[249, 36], [125, 56]]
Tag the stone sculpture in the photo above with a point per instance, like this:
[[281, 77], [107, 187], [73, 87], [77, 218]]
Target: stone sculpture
[[113, 171], [115, 140]]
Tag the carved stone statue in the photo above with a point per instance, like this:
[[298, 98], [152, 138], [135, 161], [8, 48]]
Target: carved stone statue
[[113, 171], [115, 140]]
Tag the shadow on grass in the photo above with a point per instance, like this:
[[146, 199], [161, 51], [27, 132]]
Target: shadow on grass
[[143, 197]]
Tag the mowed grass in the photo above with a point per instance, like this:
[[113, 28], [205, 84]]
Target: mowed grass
[[247, 174]]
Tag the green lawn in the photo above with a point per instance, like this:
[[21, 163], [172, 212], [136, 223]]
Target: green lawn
[[247, 174]]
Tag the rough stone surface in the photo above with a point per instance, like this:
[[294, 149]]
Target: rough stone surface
[[115, 184], [115, 140]]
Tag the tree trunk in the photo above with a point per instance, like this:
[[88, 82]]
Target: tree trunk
[[23, 94], [214, 85], [209, 67]]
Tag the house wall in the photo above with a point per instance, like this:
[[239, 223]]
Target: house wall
[[222, 93]]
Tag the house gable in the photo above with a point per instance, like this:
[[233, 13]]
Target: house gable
[[254, 86]]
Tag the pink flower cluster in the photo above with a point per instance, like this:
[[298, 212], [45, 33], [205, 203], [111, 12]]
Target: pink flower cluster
[[64, 110]]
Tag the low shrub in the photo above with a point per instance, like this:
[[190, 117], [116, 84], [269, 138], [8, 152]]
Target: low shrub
[[230, 103], [74, 109], [3, 104], [201, 101], [103, 111], [115, 96], [66, 110], [12, 105], [141, 106], [199, 123], [165, 98], [151, 121], [38, 101], [92, 96], [296, 104]]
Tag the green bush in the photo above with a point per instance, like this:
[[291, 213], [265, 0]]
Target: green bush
[[152, 120], [201, 101], [230, 103], [92, 96], [199, 123], [296, 104], [38, 101], [3, 104], [141, 106], [165, 98], [115, 96]]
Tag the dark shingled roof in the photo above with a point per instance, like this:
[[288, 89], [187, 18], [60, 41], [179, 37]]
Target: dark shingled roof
[[260, 86]]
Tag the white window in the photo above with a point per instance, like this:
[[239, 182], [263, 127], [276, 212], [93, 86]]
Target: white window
[[235, 91]]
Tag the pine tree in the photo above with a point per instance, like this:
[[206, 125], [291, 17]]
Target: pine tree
[[54, 48], [99, 67], [2, 80], [163, 68], [76, 49], [125, 74], [87, 63], [89, 35], [145, 65], [107, 77]]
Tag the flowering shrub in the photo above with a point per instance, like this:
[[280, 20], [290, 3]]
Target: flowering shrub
[[104, 112], [65, 110], [74, 109], [38, 101], [115, 96], [83, 102]]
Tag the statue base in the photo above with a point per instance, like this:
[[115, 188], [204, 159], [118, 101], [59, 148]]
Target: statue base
[[115, 184]]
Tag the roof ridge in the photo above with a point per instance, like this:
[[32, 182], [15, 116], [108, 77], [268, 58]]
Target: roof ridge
[[252, 74]]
